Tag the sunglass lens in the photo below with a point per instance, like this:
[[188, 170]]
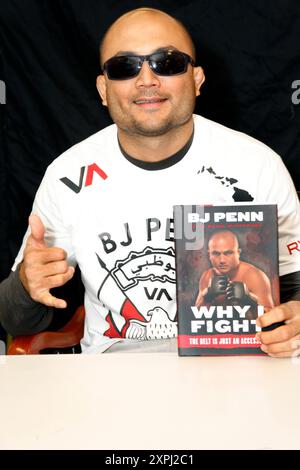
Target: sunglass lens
[[121, 68], [168, 63]]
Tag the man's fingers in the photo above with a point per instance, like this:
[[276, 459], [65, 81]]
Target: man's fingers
[[283, 341], [53, 254], [48, 299], [279, 335], [42, 256], [59, 279], [288, 313], [37, 237], [294, 350], [42, 293], [54, 268], [40, 263], [282, 354], [284, 347], [277, 314]]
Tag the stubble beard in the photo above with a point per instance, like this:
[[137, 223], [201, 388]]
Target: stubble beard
[[151, 127]]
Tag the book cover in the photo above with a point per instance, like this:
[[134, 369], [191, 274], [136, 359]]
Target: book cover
[[227, 275]]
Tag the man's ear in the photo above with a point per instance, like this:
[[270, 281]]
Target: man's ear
[[101, 87], [199, 79]]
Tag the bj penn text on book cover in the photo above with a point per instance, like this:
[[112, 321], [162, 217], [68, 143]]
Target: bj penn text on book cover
[[227, 275]]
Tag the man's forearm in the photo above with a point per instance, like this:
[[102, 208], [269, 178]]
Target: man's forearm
[[19, 314]]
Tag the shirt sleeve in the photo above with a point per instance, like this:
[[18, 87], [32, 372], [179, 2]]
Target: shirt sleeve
[[19, 314], [290, 287], [283, 193]]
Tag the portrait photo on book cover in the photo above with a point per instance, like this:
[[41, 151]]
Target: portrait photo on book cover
[[231, 279]]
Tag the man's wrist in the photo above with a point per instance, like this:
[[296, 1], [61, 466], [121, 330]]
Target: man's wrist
[[20, 286], [22, 277]]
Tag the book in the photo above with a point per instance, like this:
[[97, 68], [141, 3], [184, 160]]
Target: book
[[227, 275]]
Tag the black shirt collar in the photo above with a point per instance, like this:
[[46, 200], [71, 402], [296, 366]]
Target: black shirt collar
[[162, 164]]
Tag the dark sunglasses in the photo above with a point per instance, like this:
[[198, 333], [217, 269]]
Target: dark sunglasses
[[166, 63]]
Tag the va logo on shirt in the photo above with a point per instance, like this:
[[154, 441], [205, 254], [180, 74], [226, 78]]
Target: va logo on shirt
[[89, 171]]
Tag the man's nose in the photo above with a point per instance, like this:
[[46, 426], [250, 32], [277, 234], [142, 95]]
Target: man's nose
[[222, 258], [147, 77]]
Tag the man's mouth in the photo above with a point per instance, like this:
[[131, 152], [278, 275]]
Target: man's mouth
[[149, 101]]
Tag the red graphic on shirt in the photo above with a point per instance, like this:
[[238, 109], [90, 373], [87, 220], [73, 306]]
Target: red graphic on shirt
[[294, 246], [129, 312]]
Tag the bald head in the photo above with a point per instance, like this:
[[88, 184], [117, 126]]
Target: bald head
[[224, 238], [122, 28]]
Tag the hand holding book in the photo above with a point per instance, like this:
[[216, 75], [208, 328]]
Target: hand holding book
[[280, 335]]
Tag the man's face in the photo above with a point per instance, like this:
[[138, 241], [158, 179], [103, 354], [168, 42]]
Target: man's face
[[149, 104], [224, 254]]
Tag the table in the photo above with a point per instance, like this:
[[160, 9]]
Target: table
[[149, 401]]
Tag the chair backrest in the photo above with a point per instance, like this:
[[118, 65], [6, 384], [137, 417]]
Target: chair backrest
[[68, 336]]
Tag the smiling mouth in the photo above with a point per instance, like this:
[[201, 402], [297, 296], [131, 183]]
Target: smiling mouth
[[150, 101]]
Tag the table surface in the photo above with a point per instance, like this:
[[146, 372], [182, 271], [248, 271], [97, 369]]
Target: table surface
[[149, 401]]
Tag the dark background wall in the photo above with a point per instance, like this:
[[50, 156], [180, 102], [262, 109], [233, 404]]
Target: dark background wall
[[49, 62]]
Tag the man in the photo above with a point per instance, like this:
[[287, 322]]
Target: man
[[106, 204], [231, 280]]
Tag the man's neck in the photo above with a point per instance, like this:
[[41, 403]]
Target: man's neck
[[155, 149]]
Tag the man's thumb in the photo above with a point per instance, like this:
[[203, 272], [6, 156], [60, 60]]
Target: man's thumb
[[37, 230]]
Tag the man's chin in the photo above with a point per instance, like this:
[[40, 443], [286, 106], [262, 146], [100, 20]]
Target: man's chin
[[222, 271], [152, 131]]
